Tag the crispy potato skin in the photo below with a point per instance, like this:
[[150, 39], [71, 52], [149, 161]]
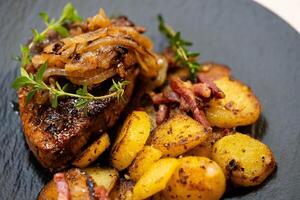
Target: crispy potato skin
[[205, 148], [215, 71], [81, 183], [90, 154], [177, 135], [245, 160], [131, 139], [77, 181], [196, 178], [122, 190], [155, 179], [48, 192], [239, 107], [144, 159], [103, 177]]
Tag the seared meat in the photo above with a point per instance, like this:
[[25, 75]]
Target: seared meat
[[57, 136], [98, 52]]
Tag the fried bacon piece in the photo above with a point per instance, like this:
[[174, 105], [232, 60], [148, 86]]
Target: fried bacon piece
[[101, 193], [189, 99], [62, 187], [162, 113], [187, 96], [217, 93], [202, 90]]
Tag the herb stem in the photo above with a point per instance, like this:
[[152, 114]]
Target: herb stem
[[179, 46]]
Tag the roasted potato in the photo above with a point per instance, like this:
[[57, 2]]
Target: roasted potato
[[206, 147], [123, 190], [48, 192], [245, 160], [196, 178], [177, 135], [82, 183], [103, 177], [131, 139], [155, 179], [79, 183], [215, 71], [93, 151], [158, 196], [239, 107], [144, 159]]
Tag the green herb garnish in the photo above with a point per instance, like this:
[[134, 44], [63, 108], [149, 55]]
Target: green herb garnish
[[179, 46], [36, 83], [117, 87], [69, 14], [25, 57]]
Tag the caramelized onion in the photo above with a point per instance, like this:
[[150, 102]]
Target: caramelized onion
[[54, 72], [92, 57], [95, 79]]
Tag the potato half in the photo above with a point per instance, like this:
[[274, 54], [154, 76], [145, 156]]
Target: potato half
[[205, 148], [155, 179], [122, 190], [144, 159], [196, 178], [103, 177], [131, 139], [79, 183], [177, 135], [239, 107], [215, 71], [93, 151], [48, 192], [245, 160]]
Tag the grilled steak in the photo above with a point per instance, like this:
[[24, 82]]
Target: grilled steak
[[57, 136], [98, 52]]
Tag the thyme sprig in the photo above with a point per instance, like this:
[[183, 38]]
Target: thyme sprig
[[25, 57], [179, 46], [69, 14], [36, 83]]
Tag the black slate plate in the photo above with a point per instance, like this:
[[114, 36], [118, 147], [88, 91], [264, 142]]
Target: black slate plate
[[262, 50]]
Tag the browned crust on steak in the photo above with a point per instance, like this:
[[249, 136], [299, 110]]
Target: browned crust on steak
[[57, 136]]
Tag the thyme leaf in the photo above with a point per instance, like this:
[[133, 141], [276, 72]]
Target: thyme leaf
[[179, 46], [69, 14], [36, 83]]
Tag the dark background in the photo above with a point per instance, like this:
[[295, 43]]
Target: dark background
[[262, 50]]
